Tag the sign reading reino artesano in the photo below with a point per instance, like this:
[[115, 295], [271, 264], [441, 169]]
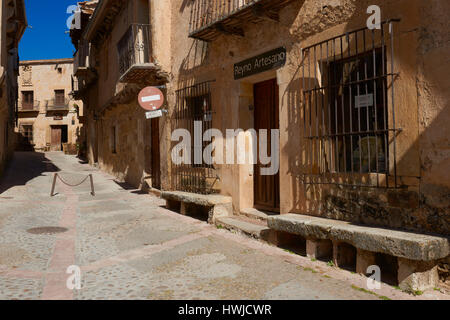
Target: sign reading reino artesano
[[267, 61]]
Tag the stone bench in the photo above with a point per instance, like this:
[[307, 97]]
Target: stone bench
[[191, 203], [417, 254]]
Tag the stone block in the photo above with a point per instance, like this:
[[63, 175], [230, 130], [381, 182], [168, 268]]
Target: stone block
[[364, 259], [183, 209], [318, 249], [173, 205], [344, 255], [417, 275], [403, 199], [220, 210]]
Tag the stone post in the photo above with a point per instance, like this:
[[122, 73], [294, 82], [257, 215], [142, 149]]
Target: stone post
[[417, 275], [364, 259], [316, 249]]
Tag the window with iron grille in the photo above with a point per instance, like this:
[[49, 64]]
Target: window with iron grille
[[27, 133], [194, 106], [348, 108]]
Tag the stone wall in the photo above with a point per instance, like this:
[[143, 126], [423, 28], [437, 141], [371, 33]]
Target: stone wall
[[10, 14], [7, 136], [128, 161], [113, 104]]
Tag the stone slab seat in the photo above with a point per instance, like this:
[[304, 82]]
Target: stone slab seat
[[403, 244], [219, 205], [417, 254]]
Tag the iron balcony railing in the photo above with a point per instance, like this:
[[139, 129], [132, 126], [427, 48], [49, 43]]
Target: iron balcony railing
[[206, 12], [58, 104], [134, 47], [29, 106], [212, 17], [81, 57]]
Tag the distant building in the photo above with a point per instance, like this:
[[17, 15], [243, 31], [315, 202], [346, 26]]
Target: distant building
[[48, 116], [13, 22]]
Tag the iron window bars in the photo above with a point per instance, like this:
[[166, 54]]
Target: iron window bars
[[194, 104], [349, 109]]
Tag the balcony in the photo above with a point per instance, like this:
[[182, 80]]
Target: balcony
[[211, 18], [28, 106], [75, 85], [81, 59], [58, 105], [134, 50]]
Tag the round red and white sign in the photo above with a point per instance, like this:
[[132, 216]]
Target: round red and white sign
[[151, 98]]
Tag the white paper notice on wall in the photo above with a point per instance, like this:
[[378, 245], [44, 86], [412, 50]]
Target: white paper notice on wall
[[364, 101], [154, 114]]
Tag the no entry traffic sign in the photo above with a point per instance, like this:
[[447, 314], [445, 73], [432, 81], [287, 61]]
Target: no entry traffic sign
[[151, 98]]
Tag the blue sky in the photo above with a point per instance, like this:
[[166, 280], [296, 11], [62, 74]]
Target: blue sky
[[47, 38]]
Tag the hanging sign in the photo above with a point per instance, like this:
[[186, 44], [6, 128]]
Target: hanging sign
[[364, 101], [273, 59], [151, 98], [154, 114]]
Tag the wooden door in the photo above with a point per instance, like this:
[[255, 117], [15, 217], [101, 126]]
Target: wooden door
[[266, 188], [156, 164], [56, 144]]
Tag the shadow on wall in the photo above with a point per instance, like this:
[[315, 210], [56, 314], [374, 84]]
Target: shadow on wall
[[127, 163], [24, 167]]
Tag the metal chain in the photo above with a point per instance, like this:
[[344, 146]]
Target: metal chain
[[73, 186]]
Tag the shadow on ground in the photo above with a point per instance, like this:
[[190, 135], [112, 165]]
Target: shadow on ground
[[25, 166]]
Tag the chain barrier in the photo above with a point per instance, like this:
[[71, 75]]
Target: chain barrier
[[57, 176]]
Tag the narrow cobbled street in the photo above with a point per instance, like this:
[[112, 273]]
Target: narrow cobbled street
[[129, 246]]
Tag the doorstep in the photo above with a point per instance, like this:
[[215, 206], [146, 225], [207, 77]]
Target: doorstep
[[256, 214], [253, 228]]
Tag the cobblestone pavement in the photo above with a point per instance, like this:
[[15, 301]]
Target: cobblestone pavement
[[129, 246]]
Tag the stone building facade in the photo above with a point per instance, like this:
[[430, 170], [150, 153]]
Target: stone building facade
[[48, 116], [13, 22], [113, 62], [361, 112]]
